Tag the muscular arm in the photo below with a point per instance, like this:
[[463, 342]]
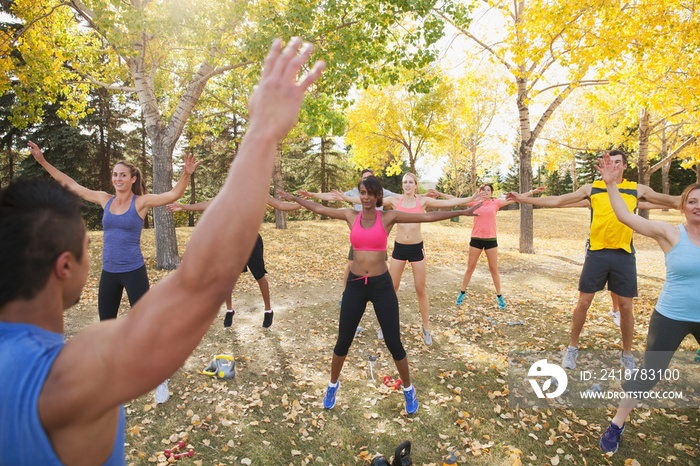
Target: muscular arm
[[651, 196], [127, 357]]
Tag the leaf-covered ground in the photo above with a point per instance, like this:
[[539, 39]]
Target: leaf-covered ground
[[271, 412]]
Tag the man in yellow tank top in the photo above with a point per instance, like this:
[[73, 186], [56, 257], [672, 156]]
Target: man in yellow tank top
[[609, 255]]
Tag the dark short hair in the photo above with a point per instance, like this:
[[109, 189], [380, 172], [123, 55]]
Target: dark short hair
[[619, 152], [373, 187], [367, 170], [39, 221]]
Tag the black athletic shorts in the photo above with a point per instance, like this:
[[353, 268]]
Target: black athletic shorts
[[256, 263], [480, 243], [616, 267], [408, 252]]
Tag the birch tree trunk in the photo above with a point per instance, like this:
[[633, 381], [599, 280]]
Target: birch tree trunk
[[525, 175], [643, 156], [278, 183]]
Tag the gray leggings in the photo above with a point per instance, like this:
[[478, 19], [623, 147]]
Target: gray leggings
[[663, 339]]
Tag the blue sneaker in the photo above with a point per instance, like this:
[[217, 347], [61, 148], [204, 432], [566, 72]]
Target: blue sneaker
[[501, 302], [612, 438], [411, 402], [460, 298], [329, 399]]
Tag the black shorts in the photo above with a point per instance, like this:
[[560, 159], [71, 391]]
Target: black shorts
[[616, 267], [351, 254], [408, 252], [256, 263], [480, 243]]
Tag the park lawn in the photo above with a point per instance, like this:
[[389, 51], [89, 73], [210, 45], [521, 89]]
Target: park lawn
[[271, 413]]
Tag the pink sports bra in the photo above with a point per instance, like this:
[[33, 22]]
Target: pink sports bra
[[368, 239], [417, 209]]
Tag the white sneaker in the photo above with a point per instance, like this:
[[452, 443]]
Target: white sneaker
[[569, 360], [627, 362], [162, 393], [380, 334], [615, 316]]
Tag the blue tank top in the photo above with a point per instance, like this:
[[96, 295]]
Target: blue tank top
[[680, 296], [121, 248], [28, 352]]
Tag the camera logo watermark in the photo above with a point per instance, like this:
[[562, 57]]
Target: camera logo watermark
[[555, 375]]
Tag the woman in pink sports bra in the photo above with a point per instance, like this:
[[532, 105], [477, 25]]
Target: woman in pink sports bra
[[369, 279], [408, 246]]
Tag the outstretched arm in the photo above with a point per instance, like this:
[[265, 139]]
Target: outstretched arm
[[342, 214], [283, 206], [454, 201], [651, 196], [140, 350], [98, 197], [580, 194], [148, 201], [665, 234], [198, 207], [395, 216]]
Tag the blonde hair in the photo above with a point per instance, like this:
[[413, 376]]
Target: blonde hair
[[412, 175]]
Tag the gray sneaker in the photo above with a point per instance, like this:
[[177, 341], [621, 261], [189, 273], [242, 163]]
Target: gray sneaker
[[380, 334], [427, 337], [627, 362], [569, 360], [162, 393]]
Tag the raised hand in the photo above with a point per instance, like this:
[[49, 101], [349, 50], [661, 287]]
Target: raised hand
[[175, 207], [276, 100], [337, 195], [513, 196], [284, 195], [36, 152], [190, 164], [303, 194], [539, 189], [608, 171], [470, 211], [432, 193]]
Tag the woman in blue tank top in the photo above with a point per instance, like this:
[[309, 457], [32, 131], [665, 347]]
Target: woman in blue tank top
[[677, 312], [122, 261]]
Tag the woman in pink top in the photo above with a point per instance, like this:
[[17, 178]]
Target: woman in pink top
[[484, 239], [369, 279], [408, 245]]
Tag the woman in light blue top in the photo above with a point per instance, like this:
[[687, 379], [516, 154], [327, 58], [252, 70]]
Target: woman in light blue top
[[677, 312]]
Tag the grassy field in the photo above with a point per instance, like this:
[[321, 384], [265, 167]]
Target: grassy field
[[271, 413]]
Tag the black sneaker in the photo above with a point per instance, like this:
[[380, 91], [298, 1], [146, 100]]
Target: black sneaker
[[228, 318], [267, 321]]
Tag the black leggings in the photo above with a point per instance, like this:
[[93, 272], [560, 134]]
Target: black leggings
[[380, 291], [663, 339], [112, 286]]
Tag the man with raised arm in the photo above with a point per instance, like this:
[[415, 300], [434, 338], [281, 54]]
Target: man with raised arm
[[62, 403], [610, 255]]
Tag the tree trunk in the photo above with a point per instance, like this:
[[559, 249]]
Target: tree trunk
[[574, 177], [474, 186], [525, 157], [193, 200], [278, 183], [324, 176], [166, 242], [643, 158]]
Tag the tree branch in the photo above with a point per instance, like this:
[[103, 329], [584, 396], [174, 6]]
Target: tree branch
[[677, 151]]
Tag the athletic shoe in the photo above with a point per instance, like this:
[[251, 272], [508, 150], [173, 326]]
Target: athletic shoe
[[612, 438], [162, 393], [427, 337], [501, 302], [267, 320], [358, 330], [380, 334], [460, 298], [228, 318], [411, 402], [627, 362], [569, 360], [329, 399], [615, 316]]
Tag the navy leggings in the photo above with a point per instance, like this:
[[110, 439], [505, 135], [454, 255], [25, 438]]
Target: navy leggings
[[112, 286], [358, 292], [663, 339]]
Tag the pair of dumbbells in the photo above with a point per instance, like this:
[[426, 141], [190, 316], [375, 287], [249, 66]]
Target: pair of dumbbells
[[173, 451], [393, 384]]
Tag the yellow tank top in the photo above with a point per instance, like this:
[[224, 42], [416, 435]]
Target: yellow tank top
[[606, 231]]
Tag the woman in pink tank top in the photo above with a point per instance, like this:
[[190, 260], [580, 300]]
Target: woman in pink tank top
[[369, 279], [408, 245]]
